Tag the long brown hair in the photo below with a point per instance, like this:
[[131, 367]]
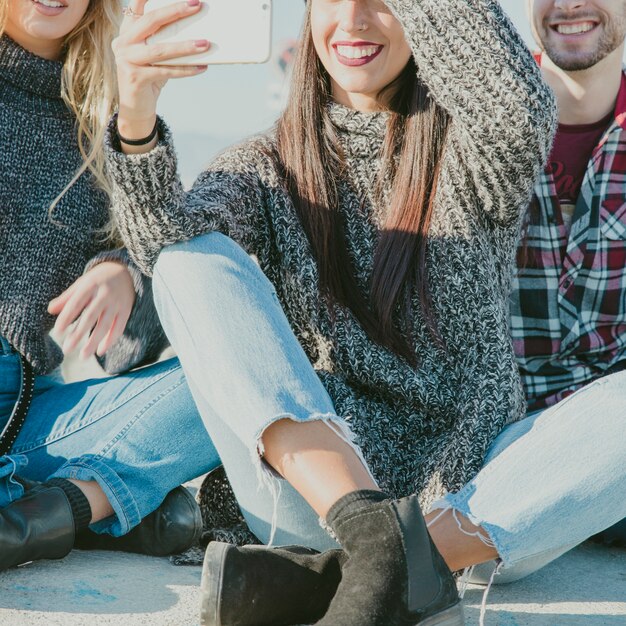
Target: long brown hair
[[528, 258], [312, 160]]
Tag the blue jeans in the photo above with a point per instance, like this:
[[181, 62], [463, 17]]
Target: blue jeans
[[246, 370], [137, 435], [550, 481]]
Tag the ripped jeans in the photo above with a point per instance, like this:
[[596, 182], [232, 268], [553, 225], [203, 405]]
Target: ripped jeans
[[551, 481], [246, 370], [138, 435]]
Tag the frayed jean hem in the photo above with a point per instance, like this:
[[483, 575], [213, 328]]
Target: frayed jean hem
[[268, 477], [490, 535], [10, 488]]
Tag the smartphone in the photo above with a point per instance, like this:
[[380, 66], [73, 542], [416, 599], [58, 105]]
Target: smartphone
[[240, 31]]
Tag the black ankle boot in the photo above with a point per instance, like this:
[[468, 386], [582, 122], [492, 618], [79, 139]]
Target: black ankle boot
[[39, 525], [614, 537], [172, 528], [394, 575], [260, 586]]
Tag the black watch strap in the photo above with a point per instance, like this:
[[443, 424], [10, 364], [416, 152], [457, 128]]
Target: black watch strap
[[139, 142]]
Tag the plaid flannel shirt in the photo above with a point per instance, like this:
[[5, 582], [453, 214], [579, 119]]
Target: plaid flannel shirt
[[568, 307]]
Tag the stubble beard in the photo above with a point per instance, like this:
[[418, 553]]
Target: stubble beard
[[612, 38]]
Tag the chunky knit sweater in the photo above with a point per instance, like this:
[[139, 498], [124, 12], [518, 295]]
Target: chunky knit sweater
[[422, 429], [40, 257]]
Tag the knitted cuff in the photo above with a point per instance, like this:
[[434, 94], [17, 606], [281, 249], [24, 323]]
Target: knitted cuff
[[81, 509]]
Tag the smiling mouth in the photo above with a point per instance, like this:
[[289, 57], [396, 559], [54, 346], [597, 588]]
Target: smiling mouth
[[577, 28], [51, 4], [356, 54]]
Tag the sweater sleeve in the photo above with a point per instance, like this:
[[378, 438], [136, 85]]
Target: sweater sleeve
[[143, 339], [478, 68], [153, 210]]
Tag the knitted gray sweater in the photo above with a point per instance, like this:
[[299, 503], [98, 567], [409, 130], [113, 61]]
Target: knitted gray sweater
[[423, 429], [40, 257]]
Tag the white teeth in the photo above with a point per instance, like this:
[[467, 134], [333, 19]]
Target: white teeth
[[574, 29], [357, 52], [50, 3]]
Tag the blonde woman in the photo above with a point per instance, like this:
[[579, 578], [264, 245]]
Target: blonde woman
[[103, 453]]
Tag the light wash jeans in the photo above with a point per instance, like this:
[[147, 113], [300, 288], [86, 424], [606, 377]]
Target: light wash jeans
[[550, 482], [138, 435]]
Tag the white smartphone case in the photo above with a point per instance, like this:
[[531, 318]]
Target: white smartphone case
[[240, 31]]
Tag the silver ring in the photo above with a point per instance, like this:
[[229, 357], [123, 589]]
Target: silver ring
[[128, 12]]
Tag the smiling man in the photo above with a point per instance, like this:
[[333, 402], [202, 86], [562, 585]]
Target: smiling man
[[569, 304]]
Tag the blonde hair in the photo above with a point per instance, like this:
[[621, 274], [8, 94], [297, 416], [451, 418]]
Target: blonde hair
[[89, 86]]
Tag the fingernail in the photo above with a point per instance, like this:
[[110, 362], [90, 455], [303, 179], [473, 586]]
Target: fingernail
[[201, 67], [201, 43], [193, 3]]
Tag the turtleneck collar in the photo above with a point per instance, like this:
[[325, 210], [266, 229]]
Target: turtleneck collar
[[361, 134], [28, 71]]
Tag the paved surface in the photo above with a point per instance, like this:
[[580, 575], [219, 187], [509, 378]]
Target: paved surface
[[586, 587]]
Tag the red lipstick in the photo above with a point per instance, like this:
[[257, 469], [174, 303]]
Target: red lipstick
[[356, 53]]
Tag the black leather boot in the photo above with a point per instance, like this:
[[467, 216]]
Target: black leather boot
[[260, 586], [170, 529], [614, 537], [394, 575], [39, 525]]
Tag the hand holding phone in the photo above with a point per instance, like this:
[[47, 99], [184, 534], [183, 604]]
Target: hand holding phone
[[140, 79], [240, 31]]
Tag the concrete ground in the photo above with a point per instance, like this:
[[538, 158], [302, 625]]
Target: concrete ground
[[586, 587]]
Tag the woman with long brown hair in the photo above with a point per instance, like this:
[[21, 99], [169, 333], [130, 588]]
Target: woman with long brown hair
[[98, 453], [365, 355]]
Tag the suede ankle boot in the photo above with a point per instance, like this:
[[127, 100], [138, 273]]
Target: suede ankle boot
[[394, 575], [260, 586], [172, 528], [39, 525]]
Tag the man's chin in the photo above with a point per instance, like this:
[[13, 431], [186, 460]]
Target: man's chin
[[577, 64], [572, 57]]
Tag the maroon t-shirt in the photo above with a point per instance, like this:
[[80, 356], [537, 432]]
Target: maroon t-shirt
[[572, 151]]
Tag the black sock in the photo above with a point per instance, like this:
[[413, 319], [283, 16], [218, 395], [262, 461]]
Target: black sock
[[353, 502], [81, 509]]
